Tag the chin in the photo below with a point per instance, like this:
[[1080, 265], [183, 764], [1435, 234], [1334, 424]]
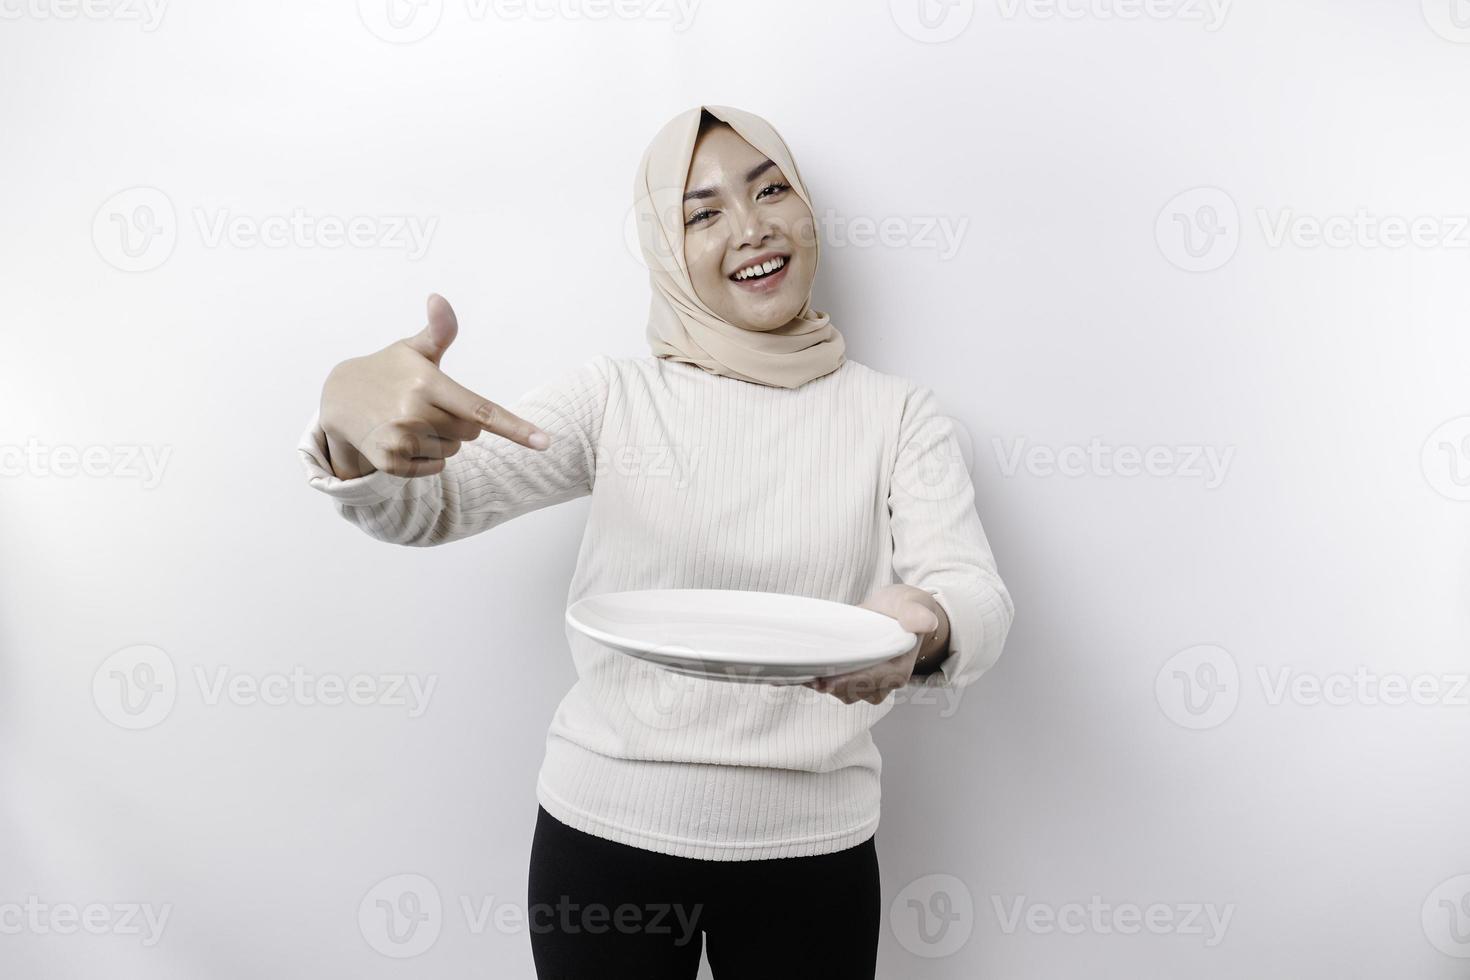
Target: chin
[[776, 312], [764, 321]]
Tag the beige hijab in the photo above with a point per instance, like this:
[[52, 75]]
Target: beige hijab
[[680, 326]]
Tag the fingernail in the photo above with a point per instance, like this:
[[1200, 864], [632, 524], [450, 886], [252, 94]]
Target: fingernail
[[539, 440]]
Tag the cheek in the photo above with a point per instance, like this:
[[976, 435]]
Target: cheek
[[797, 224], [702, 253], [801, 233]]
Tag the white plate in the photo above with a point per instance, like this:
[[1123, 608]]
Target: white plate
[[730, 634]]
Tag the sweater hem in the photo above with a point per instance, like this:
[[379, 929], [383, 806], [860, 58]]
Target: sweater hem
[[756, 850]]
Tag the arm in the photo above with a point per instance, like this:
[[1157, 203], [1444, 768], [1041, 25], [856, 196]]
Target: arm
[[489, 481], [940, 546]]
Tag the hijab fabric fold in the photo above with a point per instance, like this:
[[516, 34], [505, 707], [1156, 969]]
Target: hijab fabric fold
[[680, 326]]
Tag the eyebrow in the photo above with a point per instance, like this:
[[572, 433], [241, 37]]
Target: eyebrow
[[751, 174]]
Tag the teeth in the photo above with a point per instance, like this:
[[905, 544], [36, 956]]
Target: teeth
[[764, 269]]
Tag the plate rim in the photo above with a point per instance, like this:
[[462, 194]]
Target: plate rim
[[627, 644]]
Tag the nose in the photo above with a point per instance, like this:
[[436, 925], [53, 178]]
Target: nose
[[756, 226]]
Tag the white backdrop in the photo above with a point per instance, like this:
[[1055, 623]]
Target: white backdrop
[[1194, 276]]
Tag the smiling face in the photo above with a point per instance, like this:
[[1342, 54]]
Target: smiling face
[[742, 217]]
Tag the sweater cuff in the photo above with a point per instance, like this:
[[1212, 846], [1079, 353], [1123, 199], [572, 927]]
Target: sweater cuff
[[965, 630]]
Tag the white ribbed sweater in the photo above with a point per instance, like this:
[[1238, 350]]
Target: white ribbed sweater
[[833, 489]]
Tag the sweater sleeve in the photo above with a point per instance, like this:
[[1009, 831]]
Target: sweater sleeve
[[489, 481], [939, 544]]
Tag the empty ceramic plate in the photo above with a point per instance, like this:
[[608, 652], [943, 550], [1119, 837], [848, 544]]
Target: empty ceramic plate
[[736, 635]]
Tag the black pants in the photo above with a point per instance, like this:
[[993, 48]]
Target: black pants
[[600, 910]]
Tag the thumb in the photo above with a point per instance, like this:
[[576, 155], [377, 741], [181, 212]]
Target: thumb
[[915, 617], [443, 326]]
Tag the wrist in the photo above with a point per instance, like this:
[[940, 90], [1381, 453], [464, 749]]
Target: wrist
[[934, 645], [343, 459]]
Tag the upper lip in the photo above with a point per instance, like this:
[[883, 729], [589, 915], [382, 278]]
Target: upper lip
[[759, 260]]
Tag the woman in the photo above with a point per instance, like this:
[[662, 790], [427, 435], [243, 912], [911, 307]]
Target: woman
[[746, 453]]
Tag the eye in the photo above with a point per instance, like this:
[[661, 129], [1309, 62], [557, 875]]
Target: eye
[[698, 216], [776, 188]]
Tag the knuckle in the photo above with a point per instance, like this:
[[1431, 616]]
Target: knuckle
[[410, 444], [489, 414]]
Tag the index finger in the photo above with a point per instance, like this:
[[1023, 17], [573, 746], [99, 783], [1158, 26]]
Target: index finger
[[460, 401]]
